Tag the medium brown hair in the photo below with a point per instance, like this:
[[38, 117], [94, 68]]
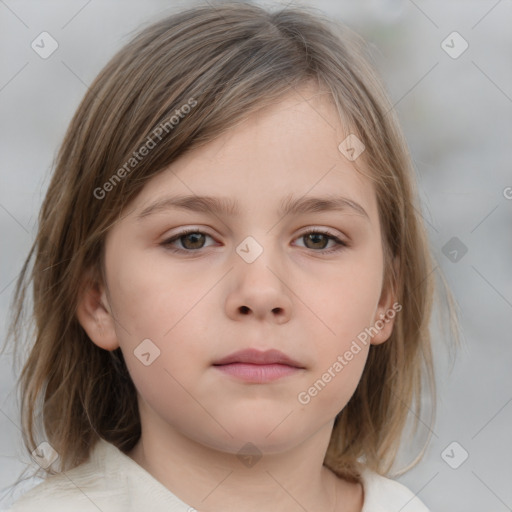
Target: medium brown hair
[[232, 59]]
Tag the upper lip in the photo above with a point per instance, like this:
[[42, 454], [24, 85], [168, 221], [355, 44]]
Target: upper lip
[[254, 356]]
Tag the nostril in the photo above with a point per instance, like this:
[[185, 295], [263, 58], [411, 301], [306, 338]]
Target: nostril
[[244, 309]]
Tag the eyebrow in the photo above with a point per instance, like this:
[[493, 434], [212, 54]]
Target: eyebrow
[[229, 207]]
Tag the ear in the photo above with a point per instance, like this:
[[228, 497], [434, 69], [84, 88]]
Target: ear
[[387, 310], [94, 313]]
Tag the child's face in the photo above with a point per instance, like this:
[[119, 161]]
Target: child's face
[[200, 306]]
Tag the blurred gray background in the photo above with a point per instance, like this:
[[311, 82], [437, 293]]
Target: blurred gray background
[[455, 107]]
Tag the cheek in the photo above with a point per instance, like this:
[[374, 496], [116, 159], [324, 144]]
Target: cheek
[[162, 304], [332, 384], [344, 300], [150, 298], [341, 352], [167, 398]]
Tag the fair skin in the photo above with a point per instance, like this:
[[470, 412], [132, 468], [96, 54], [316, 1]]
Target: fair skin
[[201, 305]]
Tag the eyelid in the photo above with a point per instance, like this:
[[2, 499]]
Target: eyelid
[[321, 229], [301, 232]]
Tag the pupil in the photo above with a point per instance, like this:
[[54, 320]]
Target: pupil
[[194, 237], [315, 236]]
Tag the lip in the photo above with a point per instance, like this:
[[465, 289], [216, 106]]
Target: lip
[[252, 365], [253, 356]]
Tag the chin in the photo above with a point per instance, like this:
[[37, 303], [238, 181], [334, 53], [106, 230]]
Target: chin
[[256, 445], [263, 436]]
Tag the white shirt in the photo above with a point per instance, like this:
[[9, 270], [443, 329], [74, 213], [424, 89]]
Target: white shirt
[[110, 481]]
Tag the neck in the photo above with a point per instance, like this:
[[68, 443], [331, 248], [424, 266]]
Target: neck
[[211, 480]]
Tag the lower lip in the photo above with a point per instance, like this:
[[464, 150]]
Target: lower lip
[[258, 373]]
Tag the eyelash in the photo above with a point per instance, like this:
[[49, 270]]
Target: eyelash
[[340, 244]]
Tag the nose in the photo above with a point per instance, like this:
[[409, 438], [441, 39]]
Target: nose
[[259, 290]]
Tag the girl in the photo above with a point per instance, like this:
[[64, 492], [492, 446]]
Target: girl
[[232, 285]]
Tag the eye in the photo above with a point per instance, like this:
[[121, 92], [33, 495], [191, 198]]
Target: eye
[[316, 239], [192, 240]]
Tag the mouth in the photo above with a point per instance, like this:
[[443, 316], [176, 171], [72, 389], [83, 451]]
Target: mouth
[[251, 365]]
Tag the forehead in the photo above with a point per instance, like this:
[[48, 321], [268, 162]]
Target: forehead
[[288, 149]]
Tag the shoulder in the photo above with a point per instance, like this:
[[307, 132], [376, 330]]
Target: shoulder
[[109, 481], [383, 494], [75, 489], [82, 489]]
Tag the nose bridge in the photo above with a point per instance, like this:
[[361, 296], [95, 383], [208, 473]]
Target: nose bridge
[[259, 254], [259, 288]]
